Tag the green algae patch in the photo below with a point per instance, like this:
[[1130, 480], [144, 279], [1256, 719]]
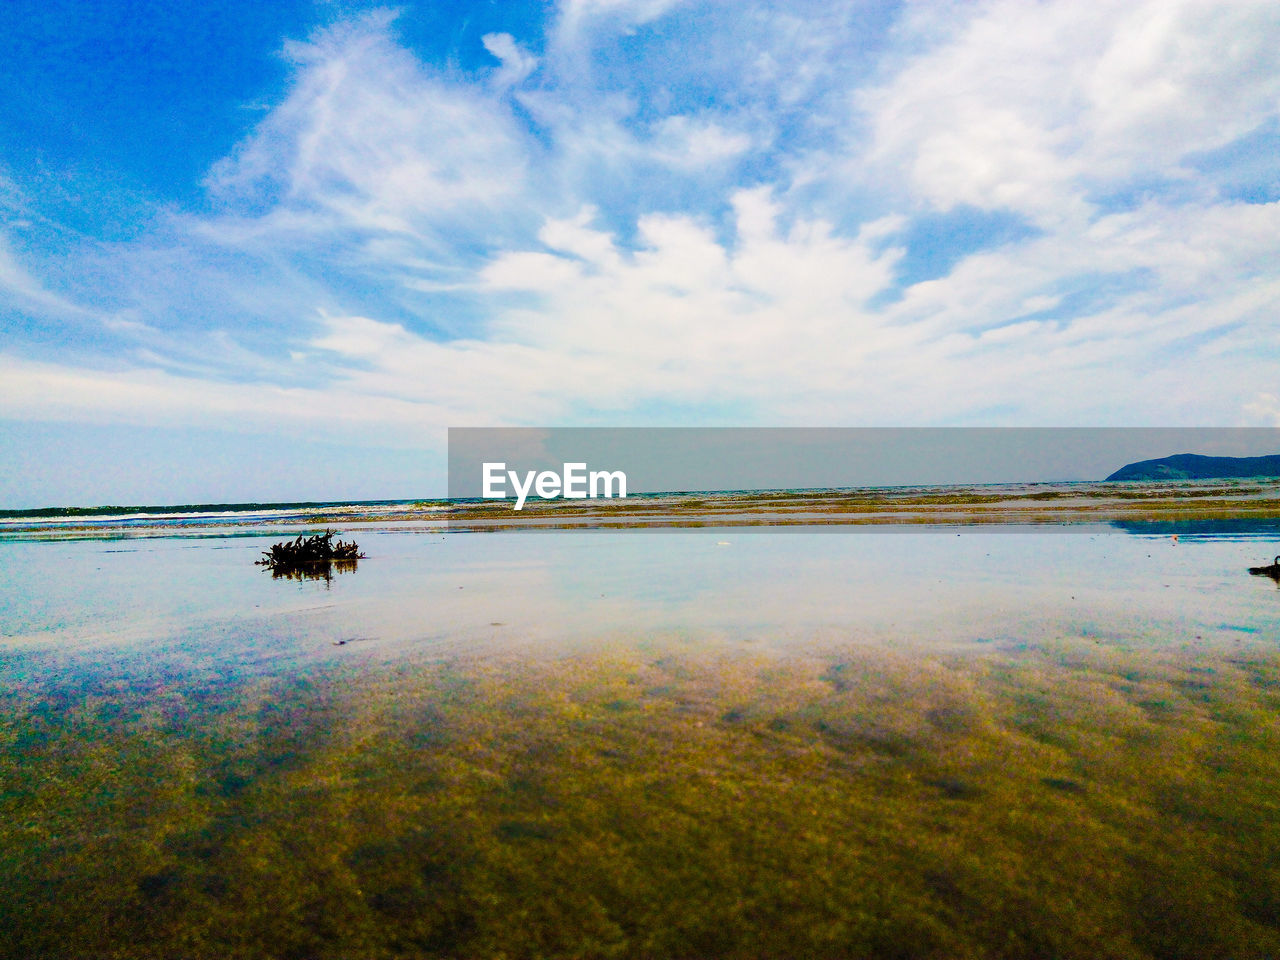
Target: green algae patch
[[1062, 799]]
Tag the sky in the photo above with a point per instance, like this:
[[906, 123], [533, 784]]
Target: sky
[[273, 251]]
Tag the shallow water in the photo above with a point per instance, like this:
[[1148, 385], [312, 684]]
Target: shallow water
[[442, 589], [614, 744]]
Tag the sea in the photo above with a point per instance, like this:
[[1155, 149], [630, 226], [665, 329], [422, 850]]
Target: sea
[[727, 740]]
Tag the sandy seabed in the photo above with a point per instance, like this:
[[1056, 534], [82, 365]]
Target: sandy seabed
[[789, 747]]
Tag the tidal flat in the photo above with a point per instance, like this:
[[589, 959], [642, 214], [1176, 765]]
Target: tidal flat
[[576, 745]]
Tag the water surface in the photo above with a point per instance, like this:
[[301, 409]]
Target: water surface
[[988, 744]]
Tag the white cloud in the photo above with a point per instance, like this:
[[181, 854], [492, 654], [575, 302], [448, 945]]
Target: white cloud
[[579, 15], [777, 302], [369, 139], [139, 395], [1033, 106], [1263, 410], [517, 64], [22, 285], [684, 141]]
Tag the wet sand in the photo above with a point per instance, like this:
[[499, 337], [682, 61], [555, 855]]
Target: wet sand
[[1060, 800], [1040, 504], [959, 505], [618, 746]]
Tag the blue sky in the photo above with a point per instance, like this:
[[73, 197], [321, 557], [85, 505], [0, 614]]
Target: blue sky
[[240, 242]]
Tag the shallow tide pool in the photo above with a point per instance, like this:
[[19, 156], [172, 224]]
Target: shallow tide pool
[[990, 744]]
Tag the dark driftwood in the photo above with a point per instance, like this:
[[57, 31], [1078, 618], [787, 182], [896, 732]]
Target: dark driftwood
[[1272, 571], [307, 553]]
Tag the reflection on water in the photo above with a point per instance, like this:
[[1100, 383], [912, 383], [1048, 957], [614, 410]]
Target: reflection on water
[[1271, 570], [1251, 528], [313, 570], [980, 745], [420, 590]]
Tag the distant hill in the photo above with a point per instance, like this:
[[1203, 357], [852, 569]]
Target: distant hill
[[1192, 466]]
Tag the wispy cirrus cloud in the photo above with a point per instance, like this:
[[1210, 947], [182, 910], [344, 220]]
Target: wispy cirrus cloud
[[371, 141]]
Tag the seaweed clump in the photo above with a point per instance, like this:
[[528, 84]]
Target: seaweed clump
[[313, 557]]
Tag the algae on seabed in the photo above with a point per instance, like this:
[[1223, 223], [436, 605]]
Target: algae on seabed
[[1067, 799]]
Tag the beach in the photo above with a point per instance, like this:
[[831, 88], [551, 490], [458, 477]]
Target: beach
[[640, 479], [959, 743]]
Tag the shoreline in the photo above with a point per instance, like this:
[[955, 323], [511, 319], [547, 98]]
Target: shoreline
[[1039, 504]]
